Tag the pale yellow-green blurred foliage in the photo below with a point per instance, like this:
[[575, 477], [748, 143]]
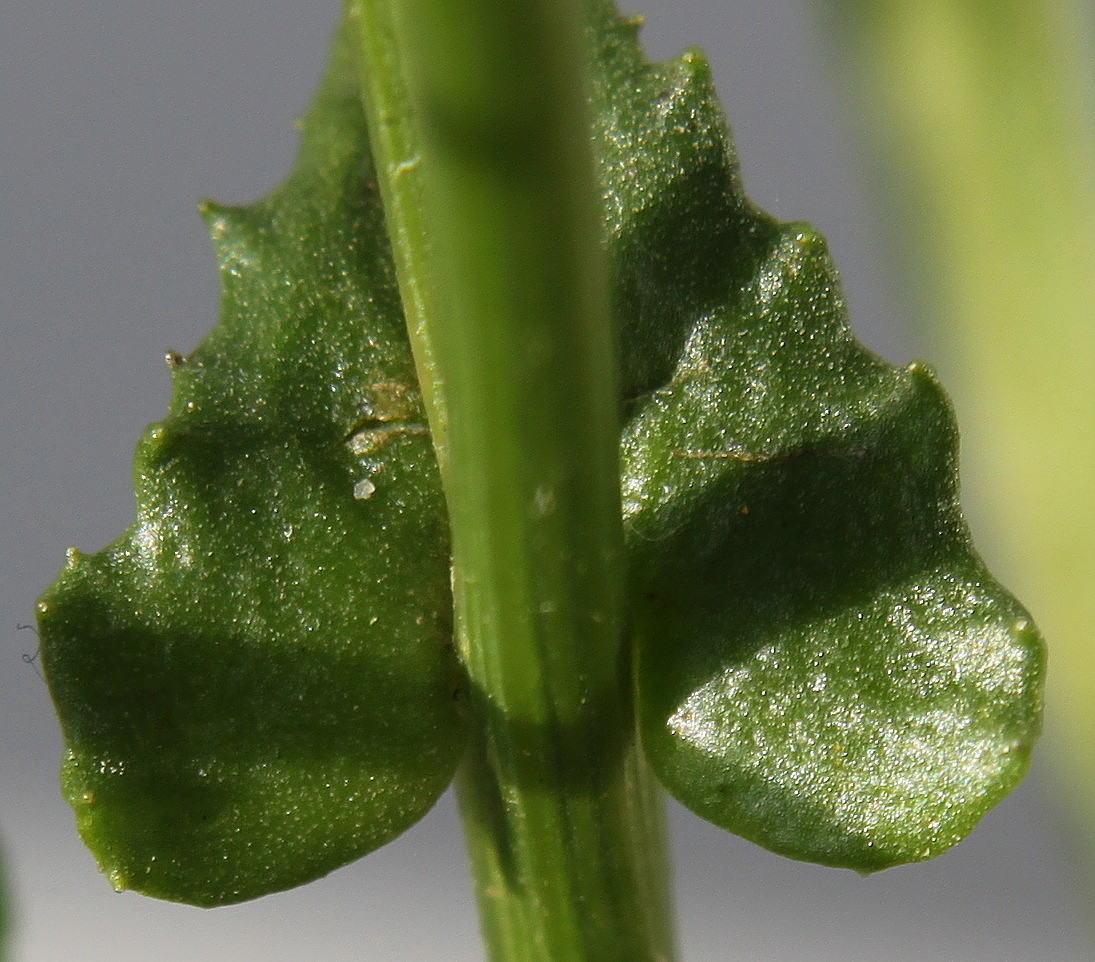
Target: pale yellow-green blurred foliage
[[985, 114]]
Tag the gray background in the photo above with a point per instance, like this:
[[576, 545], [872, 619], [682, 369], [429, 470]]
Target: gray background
[[116, 118]]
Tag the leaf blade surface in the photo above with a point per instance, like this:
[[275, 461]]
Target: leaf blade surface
[[256, 682]]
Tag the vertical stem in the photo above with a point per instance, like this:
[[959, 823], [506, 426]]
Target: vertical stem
[[479, 117], [397, 154]]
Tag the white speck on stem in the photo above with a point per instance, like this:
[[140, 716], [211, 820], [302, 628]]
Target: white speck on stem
[[543, 500], [406, 166], [364, 489]]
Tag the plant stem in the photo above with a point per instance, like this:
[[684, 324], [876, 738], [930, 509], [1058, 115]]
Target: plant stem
[[397, 154], [479, 116]]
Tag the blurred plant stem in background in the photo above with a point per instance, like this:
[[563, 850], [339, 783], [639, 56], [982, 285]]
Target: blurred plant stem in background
[[984, 111]]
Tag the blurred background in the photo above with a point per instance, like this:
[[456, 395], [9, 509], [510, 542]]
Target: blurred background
[[119, 116]]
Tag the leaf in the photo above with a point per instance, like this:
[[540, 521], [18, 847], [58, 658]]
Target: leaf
[[256, 683], [824, 665]]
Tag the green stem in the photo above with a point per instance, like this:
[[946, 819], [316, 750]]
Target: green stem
[[480, 118], [396, 150]]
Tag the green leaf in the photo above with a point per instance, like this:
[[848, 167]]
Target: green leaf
[[256, 683], [824, 665]]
